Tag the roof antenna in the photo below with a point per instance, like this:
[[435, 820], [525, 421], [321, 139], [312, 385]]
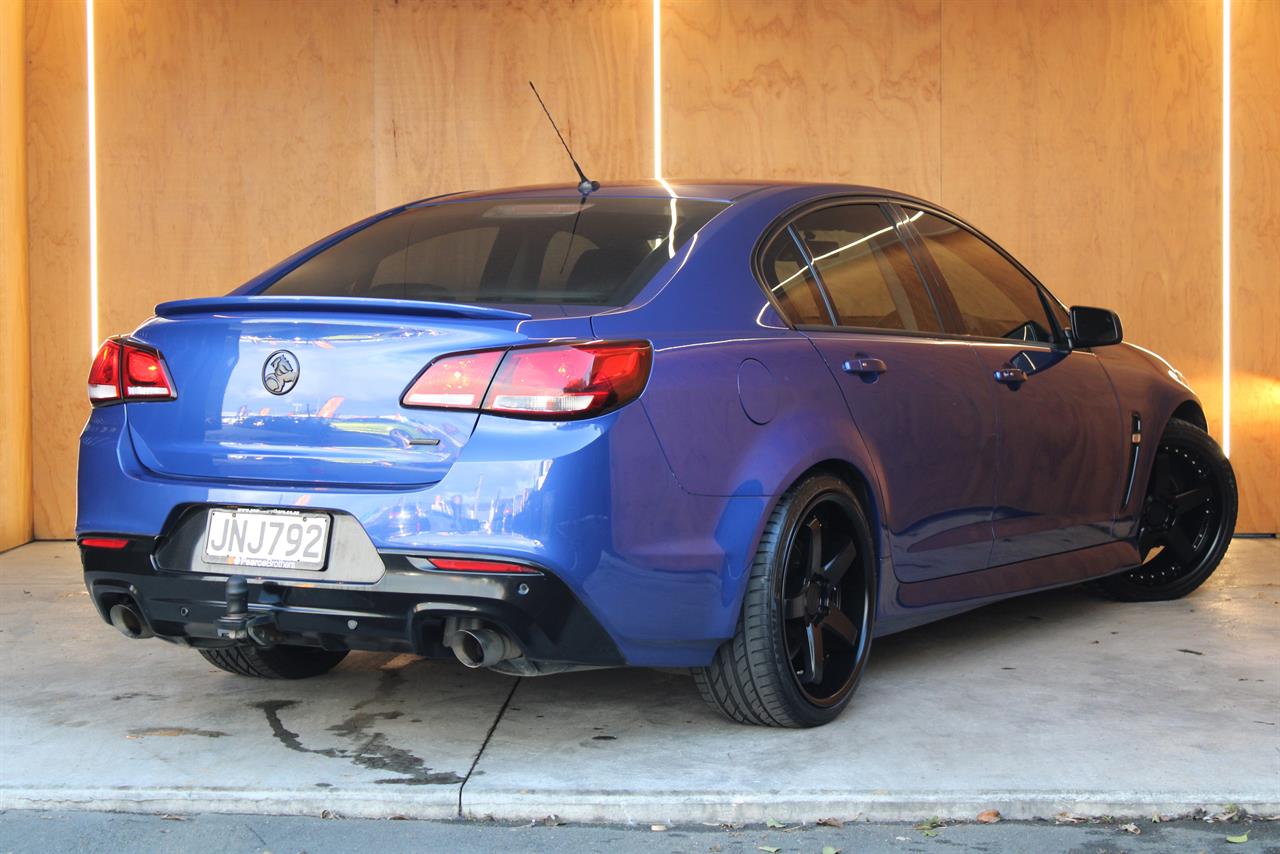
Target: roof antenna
[[585, 185]]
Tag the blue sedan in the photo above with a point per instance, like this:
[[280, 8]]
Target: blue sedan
[[739, 428]]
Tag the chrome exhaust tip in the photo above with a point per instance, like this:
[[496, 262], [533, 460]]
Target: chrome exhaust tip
[[129, 622], [482, 647]]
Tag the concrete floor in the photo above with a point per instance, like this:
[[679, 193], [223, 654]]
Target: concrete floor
[[1050, 703]]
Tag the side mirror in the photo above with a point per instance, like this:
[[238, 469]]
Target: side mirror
[[1095, 327]]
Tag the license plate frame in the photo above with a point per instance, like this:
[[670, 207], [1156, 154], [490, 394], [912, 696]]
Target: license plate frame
[[310, 555]]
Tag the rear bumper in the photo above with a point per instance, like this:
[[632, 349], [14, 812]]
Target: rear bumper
[[404, 611], [593, 502]]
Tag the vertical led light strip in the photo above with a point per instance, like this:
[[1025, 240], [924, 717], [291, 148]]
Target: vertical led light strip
[[657, 98], [93, 178], [1226, 227], [657, 123]]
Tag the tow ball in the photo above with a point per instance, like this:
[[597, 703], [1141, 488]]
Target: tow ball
[[237, 624]]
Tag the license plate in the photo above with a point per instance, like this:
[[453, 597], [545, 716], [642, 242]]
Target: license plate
[[279, 539]]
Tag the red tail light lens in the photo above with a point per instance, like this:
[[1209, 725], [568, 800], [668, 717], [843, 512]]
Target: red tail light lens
[[459, 565], [104, 374], [454, 382], [144, 375], [557, 381], [573, 381], [126, 371]]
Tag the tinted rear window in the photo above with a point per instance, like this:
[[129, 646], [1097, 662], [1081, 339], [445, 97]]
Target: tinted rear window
[[522, 251]]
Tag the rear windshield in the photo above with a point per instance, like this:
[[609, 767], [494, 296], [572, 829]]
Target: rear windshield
[[598, 251]]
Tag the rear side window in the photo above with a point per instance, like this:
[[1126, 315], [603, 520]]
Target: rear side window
[[789, 280], [599, 252], [866, 270], [994, 298]]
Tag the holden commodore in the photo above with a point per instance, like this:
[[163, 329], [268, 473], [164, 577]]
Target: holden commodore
[[738, 428]]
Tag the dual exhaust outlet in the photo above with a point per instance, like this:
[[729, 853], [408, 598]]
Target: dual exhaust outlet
[[473, 644]]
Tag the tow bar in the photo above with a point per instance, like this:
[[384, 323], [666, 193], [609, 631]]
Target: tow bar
[[238, 625]]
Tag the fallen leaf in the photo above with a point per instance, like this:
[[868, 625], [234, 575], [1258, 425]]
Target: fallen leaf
[[768, 849], [827, 849], [989, 816], [1069, 818], [1131, 828], [929, 833], [657, 828], [1238, 840], [170, 817], [773, 822], [930, 824], [830, 822]]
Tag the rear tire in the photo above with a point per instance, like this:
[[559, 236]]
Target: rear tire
[[804, 634], [1187, 519], [277, 662]]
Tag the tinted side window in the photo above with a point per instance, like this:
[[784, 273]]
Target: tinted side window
[[995, 299], [791, 283], [866, 269]]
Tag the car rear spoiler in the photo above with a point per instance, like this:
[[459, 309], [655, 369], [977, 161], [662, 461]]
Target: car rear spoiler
[[337, 305]]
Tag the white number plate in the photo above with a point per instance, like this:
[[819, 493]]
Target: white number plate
[[280, 539]]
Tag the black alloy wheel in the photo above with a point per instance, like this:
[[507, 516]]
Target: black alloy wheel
[[823, 641], [1187, 518], [804, 636]]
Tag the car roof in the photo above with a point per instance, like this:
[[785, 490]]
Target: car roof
[[716, 190]]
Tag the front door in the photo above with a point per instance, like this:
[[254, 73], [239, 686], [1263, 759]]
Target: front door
[[1062, 436]]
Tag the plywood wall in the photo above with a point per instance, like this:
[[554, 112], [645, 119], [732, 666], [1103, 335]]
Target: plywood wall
[[454, 109], [58, 217], [15, 363], [229, 135], [840, 90], [1255, 227], [1082, 134]]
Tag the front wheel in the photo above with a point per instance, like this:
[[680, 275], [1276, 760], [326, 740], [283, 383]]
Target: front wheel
[[805, 631], [1188, 517]]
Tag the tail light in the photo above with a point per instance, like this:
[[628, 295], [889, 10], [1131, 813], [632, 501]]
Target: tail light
[[556, 381], [123, 370], [460, 565]]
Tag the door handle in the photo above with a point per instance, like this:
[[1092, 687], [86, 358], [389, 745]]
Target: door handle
[[1011, 376], [864, 366]]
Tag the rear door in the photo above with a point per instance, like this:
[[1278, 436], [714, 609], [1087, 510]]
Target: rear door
[[1062, 437], [846, 279]]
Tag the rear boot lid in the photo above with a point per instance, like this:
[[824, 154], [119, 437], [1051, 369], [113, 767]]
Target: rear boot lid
[[306, 391]]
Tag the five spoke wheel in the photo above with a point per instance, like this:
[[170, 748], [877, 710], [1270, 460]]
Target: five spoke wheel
[[804, 635], [821, 639]]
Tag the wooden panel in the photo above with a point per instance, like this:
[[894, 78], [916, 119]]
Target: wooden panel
[[57, 194], [229, 135], [814, 90], [1255, 256], [454, 110], [1085, 137], [15, 357]]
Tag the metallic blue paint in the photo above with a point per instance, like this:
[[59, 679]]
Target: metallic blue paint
[[651, 513]]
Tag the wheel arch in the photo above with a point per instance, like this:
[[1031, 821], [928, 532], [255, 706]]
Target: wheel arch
[[1191, 411]]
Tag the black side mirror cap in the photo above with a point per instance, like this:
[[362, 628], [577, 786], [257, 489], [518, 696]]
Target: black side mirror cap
[[1095, 327]]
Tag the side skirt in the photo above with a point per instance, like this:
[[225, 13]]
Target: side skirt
[[1043, 572]]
